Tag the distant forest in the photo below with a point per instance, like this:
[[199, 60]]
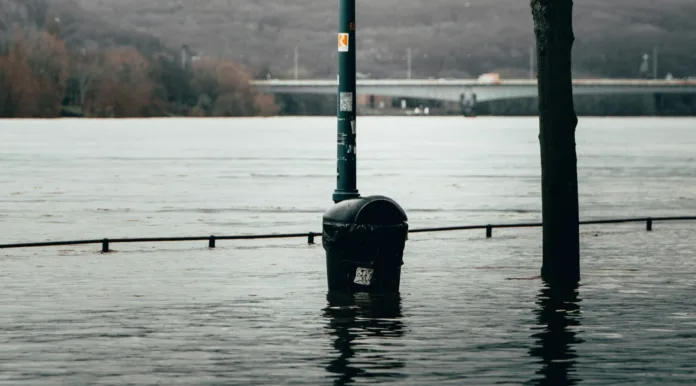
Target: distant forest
[[447, 38]]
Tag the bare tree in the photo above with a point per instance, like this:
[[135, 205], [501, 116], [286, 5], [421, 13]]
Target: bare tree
[[123, 87], [86, 67], [223, 89], [553, 27], [48, 59], [33, 75], [18, 87]]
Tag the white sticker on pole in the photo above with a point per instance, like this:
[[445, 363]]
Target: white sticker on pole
[[363, 276], [352, 126], [343, 42], [346, 101]]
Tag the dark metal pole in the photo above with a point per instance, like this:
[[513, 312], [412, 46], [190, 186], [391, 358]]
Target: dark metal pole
[[346, 186]]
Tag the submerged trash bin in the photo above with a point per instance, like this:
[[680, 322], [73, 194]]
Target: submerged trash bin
[[364, 240]]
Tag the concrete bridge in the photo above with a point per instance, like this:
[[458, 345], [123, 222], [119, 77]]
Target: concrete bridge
[[460, 90]]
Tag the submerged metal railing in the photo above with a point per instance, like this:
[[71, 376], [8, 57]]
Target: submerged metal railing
[[105, 243]]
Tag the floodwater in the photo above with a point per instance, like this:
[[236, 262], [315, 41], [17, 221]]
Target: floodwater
[[256, 312]]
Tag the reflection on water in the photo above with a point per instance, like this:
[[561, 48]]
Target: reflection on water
[[362, 327], [558, 318]]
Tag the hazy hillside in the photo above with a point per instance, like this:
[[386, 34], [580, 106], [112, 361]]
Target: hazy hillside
[[448, 37], [78, 26]]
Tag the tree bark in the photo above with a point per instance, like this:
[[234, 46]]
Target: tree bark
[[553, 28]]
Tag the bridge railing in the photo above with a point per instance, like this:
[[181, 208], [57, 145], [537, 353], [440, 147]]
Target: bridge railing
[[474, 82], [311, 236]]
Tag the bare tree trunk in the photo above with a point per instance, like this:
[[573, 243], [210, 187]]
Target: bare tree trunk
[[553, 27]]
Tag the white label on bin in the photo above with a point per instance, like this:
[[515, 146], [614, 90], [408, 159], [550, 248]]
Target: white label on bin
[[363, 276]]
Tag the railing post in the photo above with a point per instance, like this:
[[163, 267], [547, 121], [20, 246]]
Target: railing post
[[489, 231], [648, 226], [310, 238], [105, 246], [211, 242]]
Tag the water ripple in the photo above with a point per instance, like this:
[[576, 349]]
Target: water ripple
[[471, 311]]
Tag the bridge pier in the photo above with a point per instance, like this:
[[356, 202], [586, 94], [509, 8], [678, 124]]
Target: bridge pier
[[658, 104], [467, 104]]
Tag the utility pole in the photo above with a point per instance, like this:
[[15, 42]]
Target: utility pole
[[297, 56], [408, 60], [654, 62]]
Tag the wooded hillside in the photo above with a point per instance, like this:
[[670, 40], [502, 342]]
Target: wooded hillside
[[459, 38]]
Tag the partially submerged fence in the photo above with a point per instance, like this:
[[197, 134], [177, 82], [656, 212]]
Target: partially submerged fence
[[310, 236]]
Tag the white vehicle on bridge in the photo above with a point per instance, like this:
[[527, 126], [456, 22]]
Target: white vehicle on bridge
[[489, 78]]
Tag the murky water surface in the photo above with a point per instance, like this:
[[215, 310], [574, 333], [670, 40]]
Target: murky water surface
[[257, 312]]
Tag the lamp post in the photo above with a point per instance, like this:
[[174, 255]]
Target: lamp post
[[346, 185]]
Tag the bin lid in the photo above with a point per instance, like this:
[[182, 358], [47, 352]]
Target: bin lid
[[374, 210]]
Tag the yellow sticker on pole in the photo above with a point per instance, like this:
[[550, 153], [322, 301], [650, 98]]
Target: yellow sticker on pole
[[343, 42]]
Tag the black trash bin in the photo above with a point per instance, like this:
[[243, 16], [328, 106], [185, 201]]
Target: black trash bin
[[364, 239]]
